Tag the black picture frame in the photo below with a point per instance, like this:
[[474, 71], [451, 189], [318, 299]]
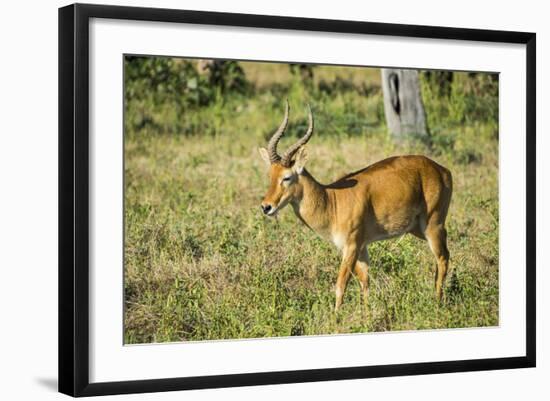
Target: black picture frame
[[74, 198]]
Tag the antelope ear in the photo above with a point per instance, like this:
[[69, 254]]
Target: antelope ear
[[300, 159], [265, 155]]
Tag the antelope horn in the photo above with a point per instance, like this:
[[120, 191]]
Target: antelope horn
[[272, 145], [287, 157]]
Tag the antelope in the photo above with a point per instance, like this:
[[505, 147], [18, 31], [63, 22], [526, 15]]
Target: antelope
[[392, 197]]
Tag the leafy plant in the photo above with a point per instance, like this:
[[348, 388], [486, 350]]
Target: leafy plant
[[161, 88]]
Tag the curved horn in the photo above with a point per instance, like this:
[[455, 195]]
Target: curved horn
[[287, 157], [272, 145]]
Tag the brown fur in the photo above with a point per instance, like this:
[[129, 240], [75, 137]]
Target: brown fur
[[395, 196]]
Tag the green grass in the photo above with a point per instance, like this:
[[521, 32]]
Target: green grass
[[202, 263]]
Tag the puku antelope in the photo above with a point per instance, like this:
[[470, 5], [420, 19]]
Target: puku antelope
[[395, 196]]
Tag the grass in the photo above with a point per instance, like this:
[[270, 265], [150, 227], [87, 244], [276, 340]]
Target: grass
[[202, 263]]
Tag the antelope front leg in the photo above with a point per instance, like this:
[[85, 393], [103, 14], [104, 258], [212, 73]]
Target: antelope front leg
[[348, 262], [362, 273]]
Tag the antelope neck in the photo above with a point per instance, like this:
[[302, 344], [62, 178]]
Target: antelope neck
[[313, 204]]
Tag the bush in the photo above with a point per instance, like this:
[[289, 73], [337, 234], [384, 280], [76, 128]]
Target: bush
[[162, 79], [454, 98], [461, 109], [160, 89]]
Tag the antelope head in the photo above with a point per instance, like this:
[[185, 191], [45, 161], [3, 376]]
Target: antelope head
[[285, 170]]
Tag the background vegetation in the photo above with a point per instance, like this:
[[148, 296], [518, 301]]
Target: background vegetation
[[202, 263]]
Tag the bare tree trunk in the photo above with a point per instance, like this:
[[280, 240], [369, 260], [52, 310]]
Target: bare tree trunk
[[403, 105]]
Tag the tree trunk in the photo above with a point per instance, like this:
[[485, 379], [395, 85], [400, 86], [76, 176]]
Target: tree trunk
[[403, 105]]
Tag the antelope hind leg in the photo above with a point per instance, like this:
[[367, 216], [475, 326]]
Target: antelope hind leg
[[437, 238]]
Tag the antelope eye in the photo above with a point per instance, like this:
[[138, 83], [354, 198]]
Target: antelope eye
[[287, 178]]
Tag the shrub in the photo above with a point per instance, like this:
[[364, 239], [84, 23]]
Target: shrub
[[161, 89]]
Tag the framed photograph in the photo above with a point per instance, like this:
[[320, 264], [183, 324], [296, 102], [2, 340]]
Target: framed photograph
[[250, 199]]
